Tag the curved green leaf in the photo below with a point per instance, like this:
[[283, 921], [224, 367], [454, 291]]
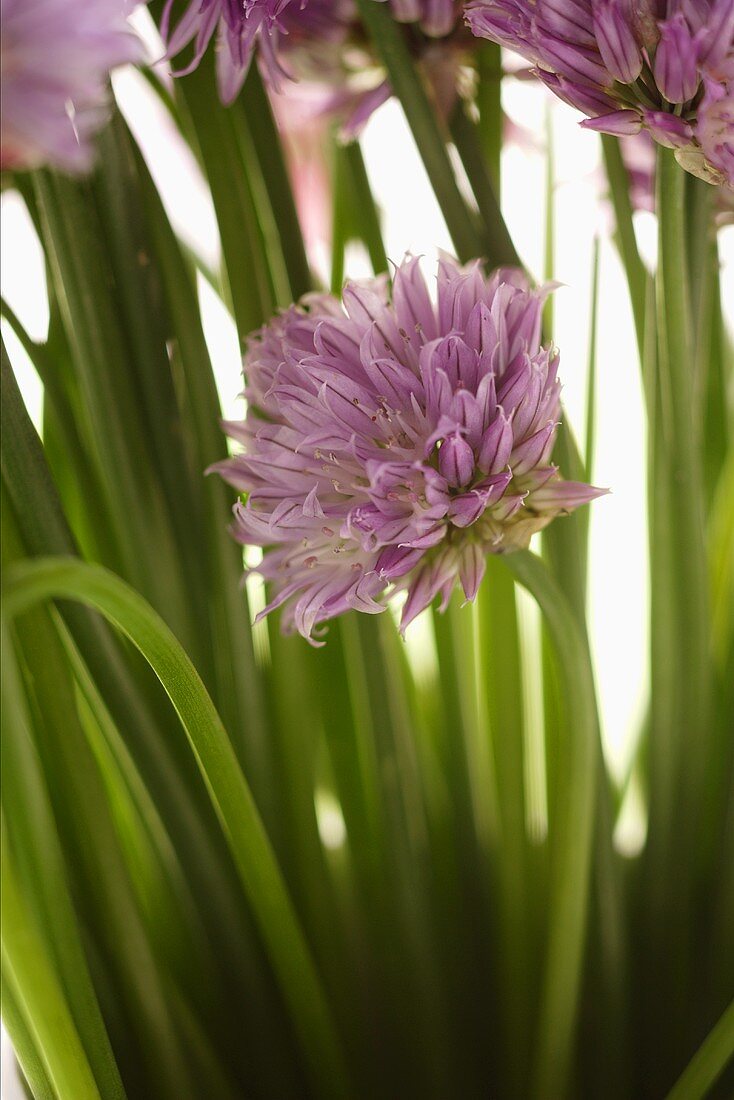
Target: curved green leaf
[[29, 583]]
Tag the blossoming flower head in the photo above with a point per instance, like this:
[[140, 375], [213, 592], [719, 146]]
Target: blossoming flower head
[[666, 66], [391, 443], [56, 56]]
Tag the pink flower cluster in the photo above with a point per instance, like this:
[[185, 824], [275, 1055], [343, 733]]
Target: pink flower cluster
[[666, 66], [391, 443]]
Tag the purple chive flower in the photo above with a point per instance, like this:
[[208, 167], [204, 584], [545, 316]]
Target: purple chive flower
[[318, 41], [657, 65], [616, 40], [676, 61], [56, 59], [241, 26], [391, 443]]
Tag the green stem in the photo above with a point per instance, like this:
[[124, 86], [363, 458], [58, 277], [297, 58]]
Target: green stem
[[679, 600], [368, 215], [497, 242], [238, 685], [295, 735], [499, 654], [680, 660], [700, 236], [43, 579], [708, 1063], [355, 216], [688, 579], [392, 48], [104, 892], [139, 299], [572, 844], [549, 252], [37, 992], [40, 860], [265, 230], [269, 151], [717, 420], [619, 189], [489, 102], [165, 765], [84, 280], [402, 822], [591, 368], [249, 277], [88, 514], [564, 542], [339, 220], [24, 1046]]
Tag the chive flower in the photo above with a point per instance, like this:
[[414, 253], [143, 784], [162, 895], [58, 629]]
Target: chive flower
[[391, 443], [56, 58], [316, 40], [240, 26], [665, 66]]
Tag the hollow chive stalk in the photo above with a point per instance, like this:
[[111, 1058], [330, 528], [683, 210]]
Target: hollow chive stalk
[[571, 863]]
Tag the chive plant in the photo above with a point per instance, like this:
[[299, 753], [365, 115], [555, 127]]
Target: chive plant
[[236, 864]]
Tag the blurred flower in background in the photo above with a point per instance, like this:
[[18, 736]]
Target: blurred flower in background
[[326, 44], [240, 27], [56, 56], [338, 83], [628, 70], [393, 442], [321, 43]]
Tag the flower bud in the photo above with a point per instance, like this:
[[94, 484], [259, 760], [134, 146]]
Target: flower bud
[[456, 460], [676, 61], [616, 40]]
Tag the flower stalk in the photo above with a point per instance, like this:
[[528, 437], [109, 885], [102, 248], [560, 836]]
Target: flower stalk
[[687, 586], [572, 845], [421, 117]]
